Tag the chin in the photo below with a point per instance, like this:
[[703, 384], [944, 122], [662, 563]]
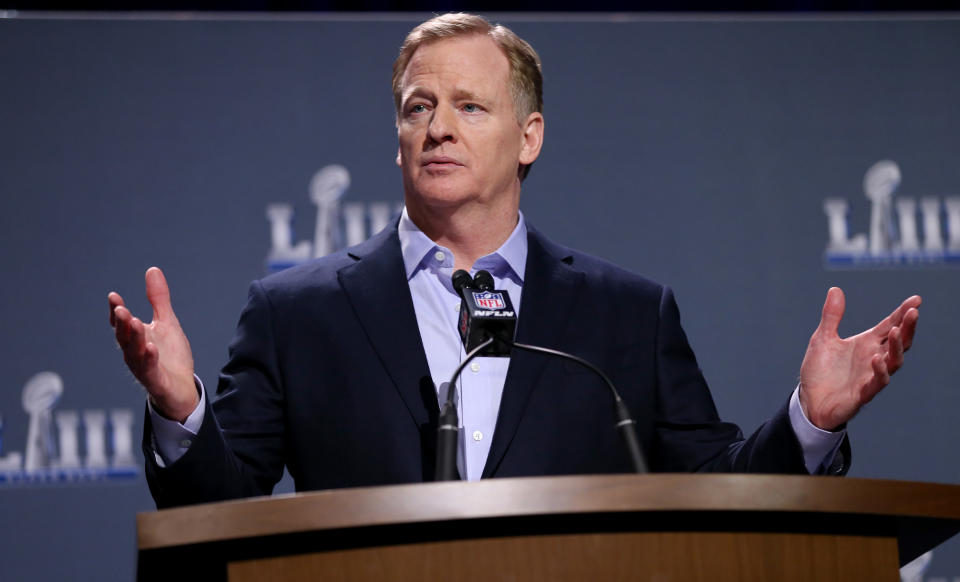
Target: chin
[[441, 190]]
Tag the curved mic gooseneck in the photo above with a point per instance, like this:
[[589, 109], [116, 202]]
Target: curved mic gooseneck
[[625, 425]]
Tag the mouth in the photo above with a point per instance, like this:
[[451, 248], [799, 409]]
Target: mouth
[[440, 162]]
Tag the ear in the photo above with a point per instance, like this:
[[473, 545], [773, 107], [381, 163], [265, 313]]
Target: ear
[[532, 138], [399, 158]]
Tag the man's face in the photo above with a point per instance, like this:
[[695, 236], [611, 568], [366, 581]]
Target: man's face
[[460, 141]]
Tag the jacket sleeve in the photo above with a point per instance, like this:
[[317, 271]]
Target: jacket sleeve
[[688, 433]]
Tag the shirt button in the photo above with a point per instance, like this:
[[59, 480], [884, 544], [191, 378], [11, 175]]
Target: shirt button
[[186, 443], [456, 307], [439, 256], [474, 367], [477, 435]]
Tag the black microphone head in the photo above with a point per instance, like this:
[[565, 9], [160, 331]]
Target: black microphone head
[[483, 280], [461, 279]]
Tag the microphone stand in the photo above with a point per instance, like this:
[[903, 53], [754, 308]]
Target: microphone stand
[[448, 429]]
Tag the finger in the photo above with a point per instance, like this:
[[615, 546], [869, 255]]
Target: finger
[[909, 327], [896, 318], [880, 369], [135, 351], [158, 293], [832, 313], [122, 317], [134, 343], [894, 350], [137, 339], [114, 300], [128, 328], [881, 377]]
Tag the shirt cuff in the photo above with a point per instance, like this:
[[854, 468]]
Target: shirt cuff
[[170, 438], [819, 446]]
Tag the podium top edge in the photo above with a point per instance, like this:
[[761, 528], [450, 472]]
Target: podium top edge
[[531, 496]]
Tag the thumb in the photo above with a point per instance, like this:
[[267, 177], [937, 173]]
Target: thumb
[[833, 309], [158, 293]]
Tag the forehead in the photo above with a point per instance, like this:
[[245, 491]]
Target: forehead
[[473, 62]]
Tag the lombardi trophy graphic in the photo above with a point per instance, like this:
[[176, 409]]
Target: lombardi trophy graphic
[[879, 184], [326, 188], [39, 395]]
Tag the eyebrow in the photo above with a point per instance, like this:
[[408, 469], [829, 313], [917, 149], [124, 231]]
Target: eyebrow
[[464, 94], [417, 91], [459, 94]]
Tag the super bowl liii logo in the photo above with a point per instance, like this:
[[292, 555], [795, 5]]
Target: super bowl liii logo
[[337, 226], [54, 456], [895, 235]]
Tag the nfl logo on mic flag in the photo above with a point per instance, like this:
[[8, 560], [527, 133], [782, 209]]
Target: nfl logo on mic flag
[[489, 300]]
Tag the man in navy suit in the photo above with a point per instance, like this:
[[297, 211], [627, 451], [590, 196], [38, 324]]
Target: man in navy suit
[[337, 365]]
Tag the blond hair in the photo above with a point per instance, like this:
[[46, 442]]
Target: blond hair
[[526, 78]]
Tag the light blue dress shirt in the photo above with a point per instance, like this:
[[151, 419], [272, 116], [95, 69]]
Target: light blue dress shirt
[[429, 268]]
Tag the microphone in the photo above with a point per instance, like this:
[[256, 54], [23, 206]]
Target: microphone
[[483, 280], [461, 280], [485, 313]]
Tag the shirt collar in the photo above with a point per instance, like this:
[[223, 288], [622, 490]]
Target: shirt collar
[[415, 247]]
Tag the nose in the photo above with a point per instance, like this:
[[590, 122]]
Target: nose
[[443, 125]]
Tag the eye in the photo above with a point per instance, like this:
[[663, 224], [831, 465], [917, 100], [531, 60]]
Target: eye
[[471, 108], [415, 109]]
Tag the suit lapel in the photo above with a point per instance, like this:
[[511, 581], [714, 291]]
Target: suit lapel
[[550, 289], [376, 286]]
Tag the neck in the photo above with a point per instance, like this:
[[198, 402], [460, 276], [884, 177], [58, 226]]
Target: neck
[[469, 233]]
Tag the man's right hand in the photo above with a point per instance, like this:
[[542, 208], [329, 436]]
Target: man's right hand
[[157, 353]]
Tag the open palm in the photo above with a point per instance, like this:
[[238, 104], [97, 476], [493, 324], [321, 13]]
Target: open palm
[[839, 375], [157, 353]]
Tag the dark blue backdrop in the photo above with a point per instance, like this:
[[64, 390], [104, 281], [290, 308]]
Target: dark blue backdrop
[[697, 151]]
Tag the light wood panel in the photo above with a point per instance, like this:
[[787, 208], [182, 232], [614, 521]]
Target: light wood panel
[[660, 557]]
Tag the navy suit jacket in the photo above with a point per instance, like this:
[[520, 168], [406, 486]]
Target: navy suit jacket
[[327, 375]]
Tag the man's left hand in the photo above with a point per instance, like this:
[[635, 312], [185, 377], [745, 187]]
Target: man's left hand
[[838, 376]]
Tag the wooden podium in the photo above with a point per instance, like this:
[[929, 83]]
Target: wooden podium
[[622, 527]]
